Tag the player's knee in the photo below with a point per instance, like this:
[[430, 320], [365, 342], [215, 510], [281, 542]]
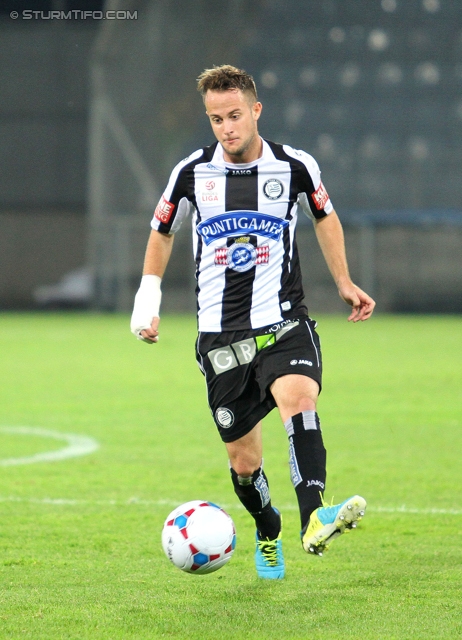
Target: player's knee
[[295, 405], [295, 394], [245, 466], [306, 404], [245, 470]]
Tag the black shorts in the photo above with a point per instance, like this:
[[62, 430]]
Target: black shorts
[[240, 367]]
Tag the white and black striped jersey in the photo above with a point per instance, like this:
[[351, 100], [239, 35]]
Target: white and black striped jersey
[[244, 218]]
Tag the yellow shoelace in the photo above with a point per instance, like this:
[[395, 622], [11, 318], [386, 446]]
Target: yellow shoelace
[[268, 549], [324, 503]]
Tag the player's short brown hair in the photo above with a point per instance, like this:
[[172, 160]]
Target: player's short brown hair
[[224, 78]]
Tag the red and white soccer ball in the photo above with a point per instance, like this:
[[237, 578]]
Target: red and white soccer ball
[[198, 537]]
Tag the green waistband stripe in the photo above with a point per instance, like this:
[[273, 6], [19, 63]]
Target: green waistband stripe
[[265, 341]]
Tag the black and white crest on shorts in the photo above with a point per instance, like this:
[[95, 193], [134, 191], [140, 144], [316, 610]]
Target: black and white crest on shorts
[[224, 417], [273, 189]]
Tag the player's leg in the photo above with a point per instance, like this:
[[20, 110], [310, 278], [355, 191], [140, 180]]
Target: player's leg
[[299, 352], [251, 486], [296, 397], [250, 482]]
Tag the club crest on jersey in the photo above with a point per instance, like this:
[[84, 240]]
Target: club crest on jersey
[[241, 255], [235, 223], [273, 189]]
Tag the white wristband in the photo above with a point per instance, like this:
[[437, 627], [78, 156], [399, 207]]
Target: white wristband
[[147, 304]]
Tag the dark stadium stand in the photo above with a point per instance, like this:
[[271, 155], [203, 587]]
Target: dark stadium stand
[[373, 89]]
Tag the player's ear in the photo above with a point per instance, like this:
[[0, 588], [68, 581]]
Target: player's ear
[[256, 110]]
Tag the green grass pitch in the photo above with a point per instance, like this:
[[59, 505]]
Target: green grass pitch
[[80, 552]]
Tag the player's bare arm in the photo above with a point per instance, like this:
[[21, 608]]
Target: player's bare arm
[[158, 254], [145, 318], [329, 233]]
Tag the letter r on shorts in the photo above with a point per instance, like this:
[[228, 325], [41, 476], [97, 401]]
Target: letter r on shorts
[[245, 350]]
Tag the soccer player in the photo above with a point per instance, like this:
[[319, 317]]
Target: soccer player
[[257, 346]]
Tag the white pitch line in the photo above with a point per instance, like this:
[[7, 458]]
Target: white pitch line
[[411, 510], [174, 503], [78, 445]]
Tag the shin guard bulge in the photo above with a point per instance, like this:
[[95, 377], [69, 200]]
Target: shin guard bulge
[[253, 492], [307, 458]]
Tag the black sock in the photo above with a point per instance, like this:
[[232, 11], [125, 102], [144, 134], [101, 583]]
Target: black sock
[[253, 492], [307, 457]]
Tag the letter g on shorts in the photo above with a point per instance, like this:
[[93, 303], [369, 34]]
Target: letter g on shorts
[[222, 359]]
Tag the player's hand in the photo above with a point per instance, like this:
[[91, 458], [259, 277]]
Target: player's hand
[[144, 323], [362, 304], [151, 334], [148, 333]]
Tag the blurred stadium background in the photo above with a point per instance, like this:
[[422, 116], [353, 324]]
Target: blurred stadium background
[[94, 114]]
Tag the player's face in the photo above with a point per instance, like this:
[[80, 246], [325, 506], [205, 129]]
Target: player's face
[[234, 117]]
